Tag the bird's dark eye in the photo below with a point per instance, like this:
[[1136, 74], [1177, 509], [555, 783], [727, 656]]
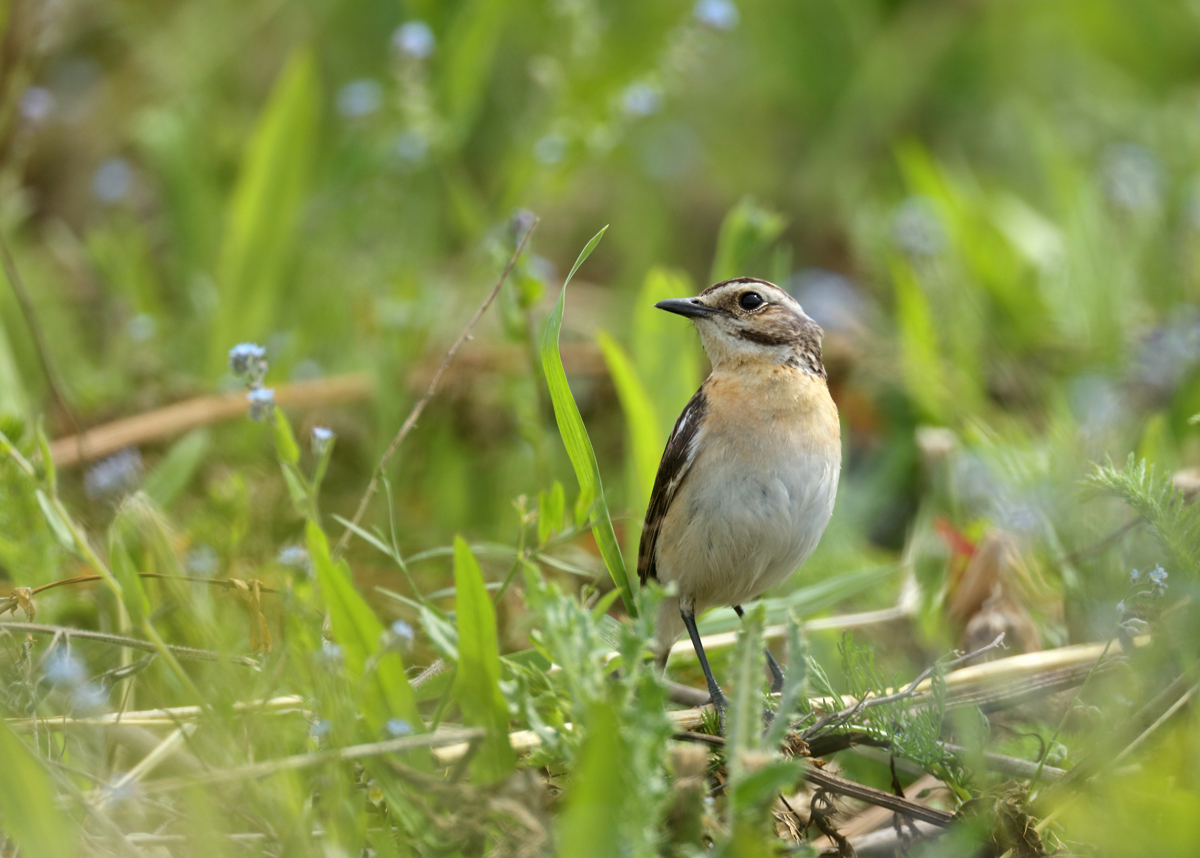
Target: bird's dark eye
[[750, 301]]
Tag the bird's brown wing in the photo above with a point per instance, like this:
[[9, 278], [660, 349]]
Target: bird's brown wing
[[676, 462]]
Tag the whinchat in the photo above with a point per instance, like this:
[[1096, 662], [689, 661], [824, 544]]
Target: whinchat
[[747, 482]]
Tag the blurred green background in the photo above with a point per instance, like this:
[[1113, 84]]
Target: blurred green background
[[992, 208]]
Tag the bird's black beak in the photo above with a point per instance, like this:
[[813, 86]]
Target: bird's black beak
[[690, 307]]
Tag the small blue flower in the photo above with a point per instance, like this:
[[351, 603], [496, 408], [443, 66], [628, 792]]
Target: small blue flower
[[1158, 577], [202, 560], [37, 103], [114, 476], [399, 636], [1121, 608], [359, 98], [321, 438], [124, 792], [141, 327], [522, 220], [319, 728], [403, 631], [1132, 177], [917, 228], [542, 269], [1134, 626], [295, 556], [247, 359], [398, 727], [641, 99], [89, 697], [62, 668], [330, 655], [550, 149], [414, 39], [112, 180], [262, 403], [411, 147], [718, 14], [1134, 576]]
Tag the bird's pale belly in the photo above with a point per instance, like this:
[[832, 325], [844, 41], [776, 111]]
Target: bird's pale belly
[[746, 529]]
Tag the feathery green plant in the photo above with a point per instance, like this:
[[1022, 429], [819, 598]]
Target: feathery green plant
[[1155, 499]]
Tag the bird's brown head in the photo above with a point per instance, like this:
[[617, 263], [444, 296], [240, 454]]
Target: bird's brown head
[[749, 321]]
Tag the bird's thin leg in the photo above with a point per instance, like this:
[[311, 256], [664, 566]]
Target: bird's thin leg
[[719, 701], [772, 664]]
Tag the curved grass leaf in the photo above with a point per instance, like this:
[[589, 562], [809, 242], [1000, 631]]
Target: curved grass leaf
[[385, 689], [665, 347], [175, 470], [477, 683], [920, 359], [595, 804], [271, 190], [641, 417], [575, 438], [805, 601], [746, 233], [285, 440]]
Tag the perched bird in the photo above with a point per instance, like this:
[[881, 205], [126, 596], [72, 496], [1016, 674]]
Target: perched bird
[[747, 482]]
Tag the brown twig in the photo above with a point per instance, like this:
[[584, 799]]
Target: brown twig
[[820, 812], [177, 418], [420, 404], [832, 783], [172, 420]]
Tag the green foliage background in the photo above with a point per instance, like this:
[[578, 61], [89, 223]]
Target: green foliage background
[[992, 208]]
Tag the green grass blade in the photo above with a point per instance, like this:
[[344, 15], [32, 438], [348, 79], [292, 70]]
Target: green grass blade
[[641, 418], [271, 191], [14, 400], [575, 438], [29, 811], [471, 43], [746, 233], [477, 685], [175, 470], [385, 689], [745, 710], [920, 359], [369, 538], [285, 439], [805, 601], [590, 822], [666, 348]]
